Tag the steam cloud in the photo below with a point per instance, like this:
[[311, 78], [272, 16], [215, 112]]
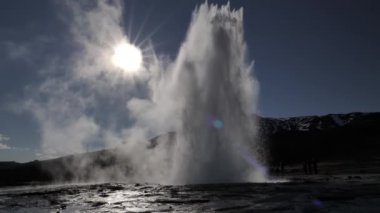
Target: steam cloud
[[207, 96]]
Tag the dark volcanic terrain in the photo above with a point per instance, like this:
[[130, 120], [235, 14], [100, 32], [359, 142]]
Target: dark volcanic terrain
[[317, 194]]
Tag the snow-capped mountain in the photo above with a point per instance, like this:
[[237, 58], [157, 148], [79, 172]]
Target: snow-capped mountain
[[352, 136], [316, 123]]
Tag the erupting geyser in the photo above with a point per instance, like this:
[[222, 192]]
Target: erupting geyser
[[216, 95], [207, 96]]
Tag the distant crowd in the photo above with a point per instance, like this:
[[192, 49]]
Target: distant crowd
[[310, 167]]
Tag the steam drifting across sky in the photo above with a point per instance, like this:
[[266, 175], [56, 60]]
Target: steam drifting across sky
[[206, 95]]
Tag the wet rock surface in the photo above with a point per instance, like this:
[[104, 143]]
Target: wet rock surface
[[301, 195]]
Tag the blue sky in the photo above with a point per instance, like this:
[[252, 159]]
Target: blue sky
[[311, 57]]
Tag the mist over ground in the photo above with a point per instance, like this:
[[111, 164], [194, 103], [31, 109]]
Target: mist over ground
[[206, 94]]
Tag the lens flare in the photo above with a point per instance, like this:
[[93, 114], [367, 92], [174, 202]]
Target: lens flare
[[218, 124]]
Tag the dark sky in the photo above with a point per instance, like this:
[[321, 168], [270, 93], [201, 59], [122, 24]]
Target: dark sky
[[311, 57]]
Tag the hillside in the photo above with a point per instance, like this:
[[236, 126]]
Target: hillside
[[353, 137]]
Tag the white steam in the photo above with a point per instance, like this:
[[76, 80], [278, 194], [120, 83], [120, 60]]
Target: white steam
[[206, 96]]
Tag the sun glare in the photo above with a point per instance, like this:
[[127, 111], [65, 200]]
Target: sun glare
[[127, 57]]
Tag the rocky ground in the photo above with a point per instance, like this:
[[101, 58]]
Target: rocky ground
[[314, 193]]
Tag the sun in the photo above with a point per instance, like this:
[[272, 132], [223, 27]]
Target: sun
[[127, 57]]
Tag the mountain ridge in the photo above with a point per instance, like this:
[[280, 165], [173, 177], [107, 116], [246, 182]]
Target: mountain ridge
[[352, 136]]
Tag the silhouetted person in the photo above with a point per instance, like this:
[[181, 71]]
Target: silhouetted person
[[277, 170], [315, 166], [282, 167], [310, 166], [272, 170], [305, 167]]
